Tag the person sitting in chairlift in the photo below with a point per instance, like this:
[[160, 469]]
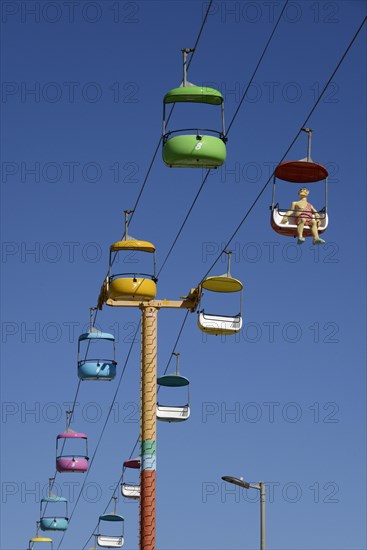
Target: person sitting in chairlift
[[304, 214]]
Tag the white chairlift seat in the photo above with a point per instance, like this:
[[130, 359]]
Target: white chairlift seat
[[277, 216], [177, 413], [173, 414], [304, 171], [219, 324], [110, 542], [130, 490]]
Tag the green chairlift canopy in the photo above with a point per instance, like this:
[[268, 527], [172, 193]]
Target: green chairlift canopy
[[194, 94]]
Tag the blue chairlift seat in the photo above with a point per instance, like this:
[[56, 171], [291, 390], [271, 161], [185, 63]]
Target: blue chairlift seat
[[96, 369]]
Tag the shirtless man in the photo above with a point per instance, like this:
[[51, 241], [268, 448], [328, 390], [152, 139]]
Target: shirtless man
[[303, 211]]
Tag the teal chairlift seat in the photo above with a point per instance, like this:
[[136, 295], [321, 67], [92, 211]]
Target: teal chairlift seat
[[52, 505], [53, 522]]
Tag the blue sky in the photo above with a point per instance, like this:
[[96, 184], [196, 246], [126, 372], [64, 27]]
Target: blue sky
[[284, 400]]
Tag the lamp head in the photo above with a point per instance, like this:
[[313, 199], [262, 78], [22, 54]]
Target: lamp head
[[236, 481]]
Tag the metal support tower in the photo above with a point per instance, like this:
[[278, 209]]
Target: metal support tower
[[148, 427], [148, 402]]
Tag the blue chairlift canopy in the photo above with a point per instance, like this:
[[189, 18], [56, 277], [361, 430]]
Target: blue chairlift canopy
[[97, 335]]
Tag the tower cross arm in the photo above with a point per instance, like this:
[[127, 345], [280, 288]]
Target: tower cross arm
[[186, 302]]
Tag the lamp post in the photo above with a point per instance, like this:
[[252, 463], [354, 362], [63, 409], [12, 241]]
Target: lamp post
[[260, 487]]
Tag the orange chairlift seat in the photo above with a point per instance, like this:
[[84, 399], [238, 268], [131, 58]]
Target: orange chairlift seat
[[302, 171]]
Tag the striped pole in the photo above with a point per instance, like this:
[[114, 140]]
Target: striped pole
[[148, 427]]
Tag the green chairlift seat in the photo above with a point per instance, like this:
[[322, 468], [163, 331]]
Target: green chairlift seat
[[194, 150]]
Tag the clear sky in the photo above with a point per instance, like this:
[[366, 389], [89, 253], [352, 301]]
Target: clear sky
[[283, 401]]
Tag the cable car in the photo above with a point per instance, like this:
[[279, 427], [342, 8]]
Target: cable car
[[218, 323], [53, 522], [71, 462], [111, 541], [35, 540], [131, 490], [174, 413], [188, 149], [131, 286], [96, 369], [303, 171]]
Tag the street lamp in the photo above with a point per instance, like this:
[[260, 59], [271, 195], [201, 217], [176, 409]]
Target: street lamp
[[260, 487]]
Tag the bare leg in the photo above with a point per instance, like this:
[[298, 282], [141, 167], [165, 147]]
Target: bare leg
[[315, 233], [314, 230], [300, 228]]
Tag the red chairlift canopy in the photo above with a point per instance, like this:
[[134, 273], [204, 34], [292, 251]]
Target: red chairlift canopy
[[301, 171], [132, 463]]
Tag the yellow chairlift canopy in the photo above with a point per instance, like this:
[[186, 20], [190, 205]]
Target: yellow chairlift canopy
[[222, 283], [132, 244]]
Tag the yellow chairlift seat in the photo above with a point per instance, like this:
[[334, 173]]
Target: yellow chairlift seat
[[131, 286]]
